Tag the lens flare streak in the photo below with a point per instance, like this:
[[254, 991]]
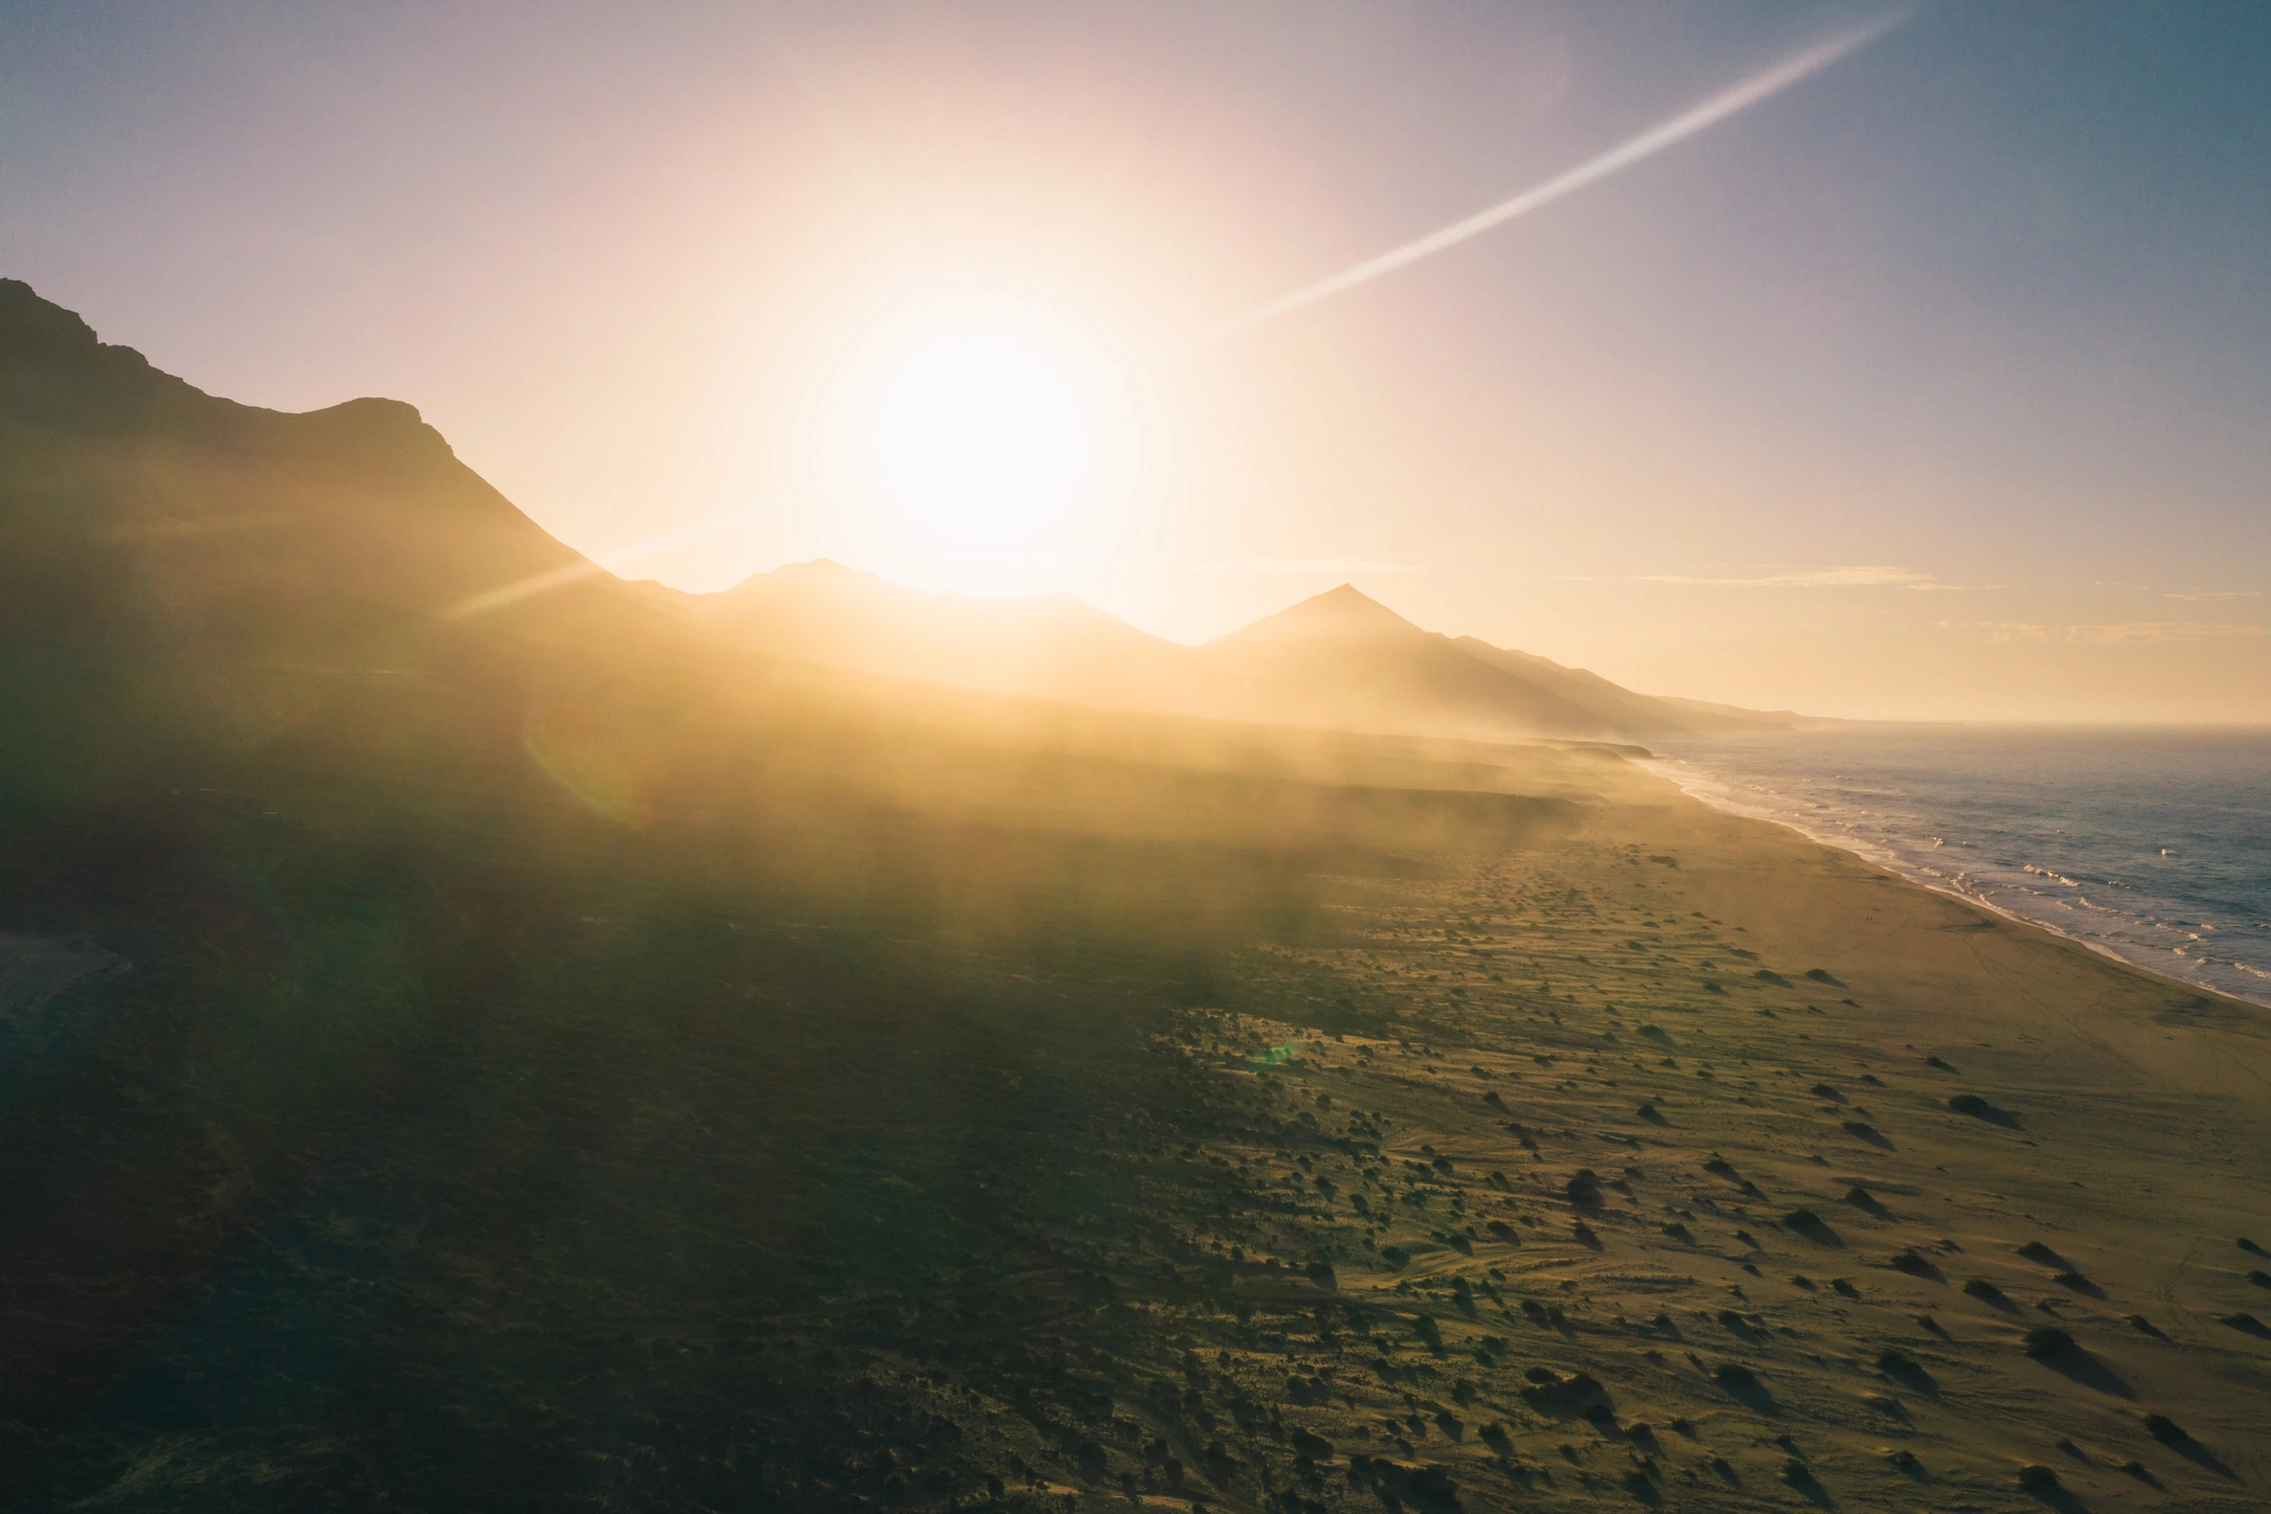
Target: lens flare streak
[[584, 567], [1719, 107]]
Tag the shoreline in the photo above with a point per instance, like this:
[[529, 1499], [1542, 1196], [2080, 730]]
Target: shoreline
[[1709, 791]]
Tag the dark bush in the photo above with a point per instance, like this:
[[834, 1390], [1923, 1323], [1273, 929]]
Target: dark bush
[[2165, 1430], [2046, 1341], [1432, 1485]]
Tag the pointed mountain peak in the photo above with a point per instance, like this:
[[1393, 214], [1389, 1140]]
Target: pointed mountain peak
[[1342, 612]]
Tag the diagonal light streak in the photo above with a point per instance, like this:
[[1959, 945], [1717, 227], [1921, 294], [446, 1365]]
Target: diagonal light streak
[[1719, 107], [1728, 102], [584, 567]]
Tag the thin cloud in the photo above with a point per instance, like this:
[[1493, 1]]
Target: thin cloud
[[2113, 633], [2200, 596], [1860, 577], [1817, 578]]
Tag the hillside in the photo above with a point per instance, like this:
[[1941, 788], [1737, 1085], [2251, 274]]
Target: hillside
[[183, 578]]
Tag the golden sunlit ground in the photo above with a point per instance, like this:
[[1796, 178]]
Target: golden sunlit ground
[[1624, 1204]]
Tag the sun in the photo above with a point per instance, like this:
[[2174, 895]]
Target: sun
[[980, 429]]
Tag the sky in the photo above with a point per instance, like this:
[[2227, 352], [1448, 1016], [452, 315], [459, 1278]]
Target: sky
[[1935, 384]]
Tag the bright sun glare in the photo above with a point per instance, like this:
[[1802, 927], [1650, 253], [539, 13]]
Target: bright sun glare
[[980, 430]]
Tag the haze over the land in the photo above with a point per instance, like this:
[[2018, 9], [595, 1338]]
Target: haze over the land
[[474, 1036], [1935, 383]]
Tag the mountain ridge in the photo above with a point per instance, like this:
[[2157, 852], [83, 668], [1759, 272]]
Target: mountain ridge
[[1336, 660], [344, 531]]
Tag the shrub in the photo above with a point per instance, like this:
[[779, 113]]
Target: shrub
[[2046, 1341], [2165, 1430]]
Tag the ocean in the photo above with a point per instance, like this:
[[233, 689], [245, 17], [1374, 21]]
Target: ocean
[[2152, 845]]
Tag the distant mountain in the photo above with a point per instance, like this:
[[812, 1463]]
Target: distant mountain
[[1340, 660], [1347, 661], [1049, 646], [1635, 714]]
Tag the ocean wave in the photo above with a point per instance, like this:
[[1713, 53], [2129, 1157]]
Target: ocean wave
[[1986, 801]]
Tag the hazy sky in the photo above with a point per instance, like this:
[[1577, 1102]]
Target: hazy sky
[[1938, 383]]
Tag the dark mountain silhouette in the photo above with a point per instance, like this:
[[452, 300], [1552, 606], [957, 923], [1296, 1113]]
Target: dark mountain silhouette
[[118, 470], [183, 574]]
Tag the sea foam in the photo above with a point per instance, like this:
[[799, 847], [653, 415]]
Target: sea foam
[[2152, 846]]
